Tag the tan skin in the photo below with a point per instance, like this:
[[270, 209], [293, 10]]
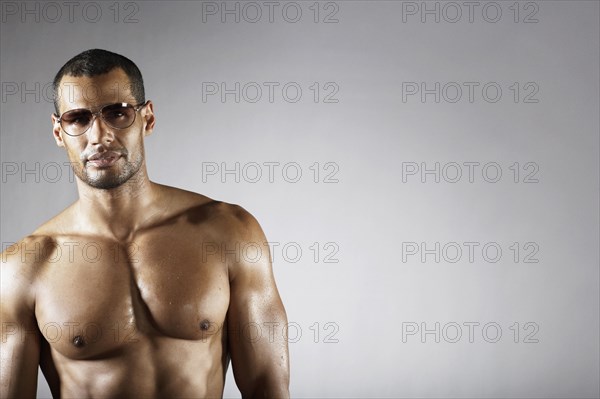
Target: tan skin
[[141, 290]]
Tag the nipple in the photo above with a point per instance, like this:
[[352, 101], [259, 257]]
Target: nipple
[[204, 325], [78, 341]]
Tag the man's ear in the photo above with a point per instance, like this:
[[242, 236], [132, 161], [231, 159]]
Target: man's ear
[[148, 115], [56, 131]]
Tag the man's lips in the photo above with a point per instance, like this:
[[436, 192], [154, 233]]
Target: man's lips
[[103, 159]]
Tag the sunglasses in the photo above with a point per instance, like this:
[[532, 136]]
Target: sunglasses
[[76, 122]]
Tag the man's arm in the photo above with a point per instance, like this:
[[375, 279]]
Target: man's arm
[[20, 346], [256, 317]]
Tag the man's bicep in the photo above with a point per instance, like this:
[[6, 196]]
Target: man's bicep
[[257, 322], [19, 355], [20, 347]]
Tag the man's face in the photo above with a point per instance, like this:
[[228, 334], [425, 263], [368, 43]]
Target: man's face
[[103, 157]]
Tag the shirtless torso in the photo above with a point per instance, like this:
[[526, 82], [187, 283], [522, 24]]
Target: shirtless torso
[[142, 290], [143, 317]]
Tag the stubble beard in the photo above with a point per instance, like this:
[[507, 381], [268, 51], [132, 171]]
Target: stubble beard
[[108, 178]]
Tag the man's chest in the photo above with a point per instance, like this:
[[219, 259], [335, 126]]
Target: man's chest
[[95, 295]]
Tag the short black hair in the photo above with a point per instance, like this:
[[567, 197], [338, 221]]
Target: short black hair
[[97, 62]]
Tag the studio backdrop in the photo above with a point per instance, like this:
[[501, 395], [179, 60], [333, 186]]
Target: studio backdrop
[[426, 173]]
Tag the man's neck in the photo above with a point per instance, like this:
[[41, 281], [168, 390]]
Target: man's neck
[[118, 212]]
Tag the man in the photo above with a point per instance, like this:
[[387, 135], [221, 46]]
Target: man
[[136, 290]]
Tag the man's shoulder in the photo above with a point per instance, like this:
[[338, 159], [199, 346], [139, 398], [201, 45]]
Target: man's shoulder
[[22, 261], [231, 219], [33, 250], [225, 227]]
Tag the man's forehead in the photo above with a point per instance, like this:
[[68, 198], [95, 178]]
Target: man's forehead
[[90, 91]]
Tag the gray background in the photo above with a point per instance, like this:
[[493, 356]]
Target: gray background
[[371, 293]]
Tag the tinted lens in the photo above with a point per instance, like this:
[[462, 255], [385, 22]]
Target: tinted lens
[[76, 122], [119, 116]]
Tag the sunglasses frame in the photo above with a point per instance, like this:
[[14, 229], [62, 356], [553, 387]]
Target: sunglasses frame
[[136, 108]]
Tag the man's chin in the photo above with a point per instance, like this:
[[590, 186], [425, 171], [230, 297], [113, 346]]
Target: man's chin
[[104, 184], [110, 180], [103, 179], [107, 178]]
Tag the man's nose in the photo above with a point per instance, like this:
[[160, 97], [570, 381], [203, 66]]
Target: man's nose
[[99, 132]]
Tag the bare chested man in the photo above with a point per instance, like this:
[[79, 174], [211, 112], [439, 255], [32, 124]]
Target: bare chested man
[[136, 290]]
